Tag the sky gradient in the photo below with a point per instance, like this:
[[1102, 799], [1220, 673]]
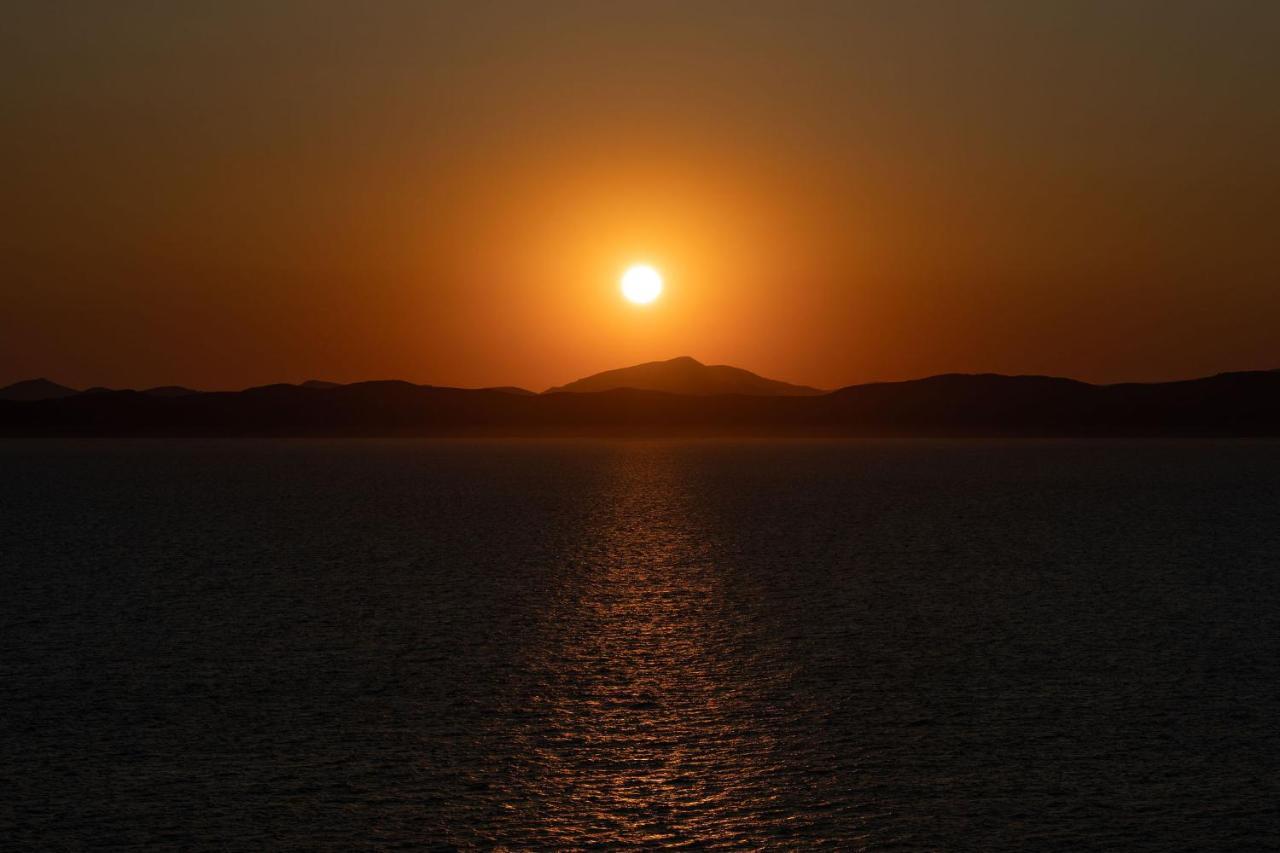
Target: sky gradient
[[228, 194]]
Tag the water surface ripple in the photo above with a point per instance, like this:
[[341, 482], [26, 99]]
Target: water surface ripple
[[247, 645]]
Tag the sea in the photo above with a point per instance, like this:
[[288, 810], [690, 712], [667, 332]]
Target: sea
[[560, 645]]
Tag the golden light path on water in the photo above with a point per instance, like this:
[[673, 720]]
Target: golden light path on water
[[652, 701]]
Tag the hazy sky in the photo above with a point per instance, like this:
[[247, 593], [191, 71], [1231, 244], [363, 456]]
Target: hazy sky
[[222, 194]]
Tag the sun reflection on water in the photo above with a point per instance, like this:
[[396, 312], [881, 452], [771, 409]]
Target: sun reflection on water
[[640, 723]]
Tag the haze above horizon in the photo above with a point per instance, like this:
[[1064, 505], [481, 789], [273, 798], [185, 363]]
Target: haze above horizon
[[446, 194]]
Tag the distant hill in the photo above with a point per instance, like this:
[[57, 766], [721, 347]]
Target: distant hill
[[321, 385], [685, 375], [169, 391], [510, 389], [1229, 404], [43, 389], [35, 389]]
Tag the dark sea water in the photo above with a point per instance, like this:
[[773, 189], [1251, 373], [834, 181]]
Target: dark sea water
[[252, 645]]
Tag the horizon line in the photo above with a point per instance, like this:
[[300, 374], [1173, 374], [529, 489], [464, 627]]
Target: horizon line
[[319, 384]]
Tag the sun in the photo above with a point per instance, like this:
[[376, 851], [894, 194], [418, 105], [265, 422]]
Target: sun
[[641, 284]]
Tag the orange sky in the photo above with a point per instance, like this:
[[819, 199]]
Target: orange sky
[[835, 192]]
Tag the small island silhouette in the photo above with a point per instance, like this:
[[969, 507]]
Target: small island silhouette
[[680, 396], [686, 375]]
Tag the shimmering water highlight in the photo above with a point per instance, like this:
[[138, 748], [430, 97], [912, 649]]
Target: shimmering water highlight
[[929, 645]]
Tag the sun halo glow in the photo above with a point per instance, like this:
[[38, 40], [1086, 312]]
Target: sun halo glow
[[641, 284]]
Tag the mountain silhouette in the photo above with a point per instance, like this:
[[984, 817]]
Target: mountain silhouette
[[685, 375], [510, 389], [35, 389], [1229, 404], [170, 391]]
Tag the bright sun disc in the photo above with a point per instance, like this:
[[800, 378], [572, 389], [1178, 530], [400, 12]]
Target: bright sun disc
[[641, 284]]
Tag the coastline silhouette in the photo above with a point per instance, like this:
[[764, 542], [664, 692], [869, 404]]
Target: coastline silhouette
[[679, 397]]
